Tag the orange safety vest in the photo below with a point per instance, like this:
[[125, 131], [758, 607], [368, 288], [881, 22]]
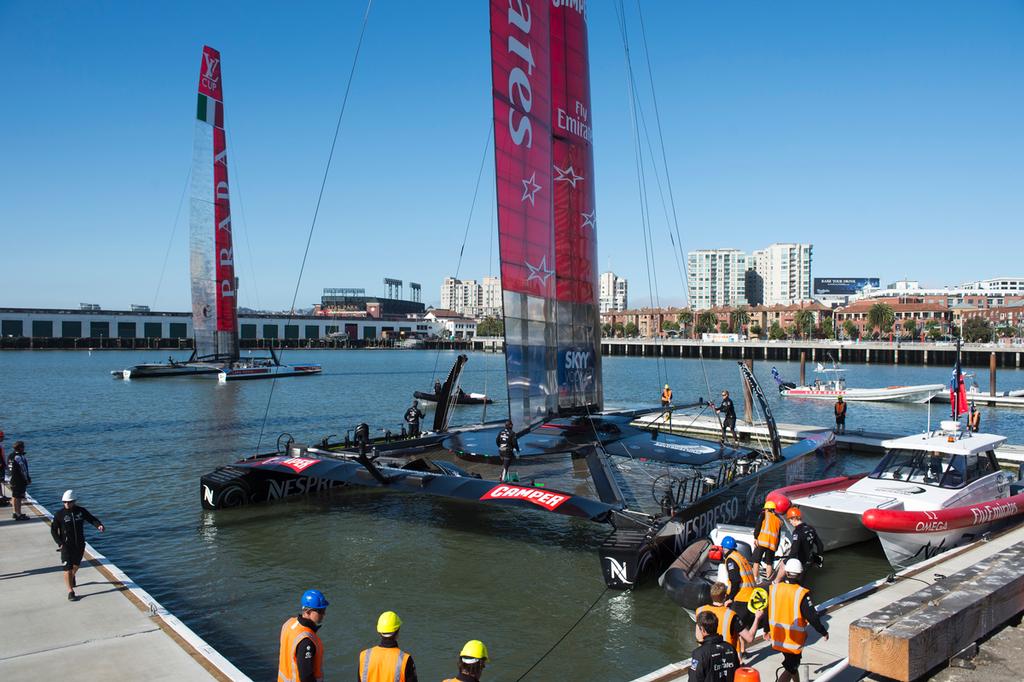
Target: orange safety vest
[[840, 409], [768, 537], [747, 583], [382, 664], [786, 625], [666, 395], [293, 632], [724, 615]]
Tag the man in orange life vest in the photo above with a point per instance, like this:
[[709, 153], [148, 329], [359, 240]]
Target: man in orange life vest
[[386, 662], [790, 610], [730, 618], [666, 396], [301, 658], [840, 410], [740, 574], [767, 532]]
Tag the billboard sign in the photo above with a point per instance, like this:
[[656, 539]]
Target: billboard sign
[[842, 286]]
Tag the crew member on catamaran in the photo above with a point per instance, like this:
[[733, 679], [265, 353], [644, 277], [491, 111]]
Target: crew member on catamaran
[[362, 436], [666, 396], [412, 418], [806, 545], [437, 388], [729, 419], [508, 446]]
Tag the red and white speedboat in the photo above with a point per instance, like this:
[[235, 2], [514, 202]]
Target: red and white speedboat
[[831, 384], [930, 492]]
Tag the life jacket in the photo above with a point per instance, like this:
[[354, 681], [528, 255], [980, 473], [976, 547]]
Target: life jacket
[[768, 536], [786, 625], [747, 583], [382, 664], [666, 395], [840, 409], [724, 615], [293, 632]]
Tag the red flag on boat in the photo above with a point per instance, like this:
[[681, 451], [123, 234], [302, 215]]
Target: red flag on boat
[[958, 394]]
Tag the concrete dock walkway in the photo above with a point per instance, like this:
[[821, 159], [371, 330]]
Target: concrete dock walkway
[[116, 631]]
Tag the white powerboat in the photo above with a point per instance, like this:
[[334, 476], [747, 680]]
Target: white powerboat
[[830, 383], [930, 492]]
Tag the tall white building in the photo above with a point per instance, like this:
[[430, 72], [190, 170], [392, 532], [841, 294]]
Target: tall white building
[[471, 298], [716, 277], [614, 293], [782, 273]]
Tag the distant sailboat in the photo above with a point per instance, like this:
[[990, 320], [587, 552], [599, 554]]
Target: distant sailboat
[[211, 255]]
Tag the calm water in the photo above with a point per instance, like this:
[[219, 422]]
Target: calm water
[[134, 451]]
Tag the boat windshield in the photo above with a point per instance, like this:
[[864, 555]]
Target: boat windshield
[[917, 466]]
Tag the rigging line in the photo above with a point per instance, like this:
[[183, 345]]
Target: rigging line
[[469, 221], [174, 231], [320, 196], [668, 178], [236, 188], [567, 633], [641, 179]]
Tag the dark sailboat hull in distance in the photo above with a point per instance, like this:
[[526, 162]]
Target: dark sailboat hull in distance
[[163, 370], [463, 399]]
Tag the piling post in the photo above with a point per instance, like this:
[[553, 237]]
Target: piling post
[[992, 373], [803, 368], [748, 398]]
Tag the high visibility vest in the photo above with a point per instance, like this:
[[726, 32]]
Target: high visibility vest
[[292, 633], [382, 664], [769, 535], [666, 395], [724, 615], [747, 583], [786, 626], [840, 409]]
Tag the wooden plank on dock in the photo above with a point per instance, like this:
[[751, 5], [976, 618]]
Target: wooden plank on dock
[[906, 639]]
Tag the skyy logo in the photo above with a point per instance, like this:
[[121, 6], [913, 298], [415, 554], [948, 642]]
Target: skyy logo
[[575, 371]]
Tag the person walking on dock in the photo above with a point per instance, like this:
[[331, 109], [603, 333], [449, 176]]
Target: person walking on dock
[[472, 660], [840, 410], [731, 618], [806, 546], [508, 446], [386, 662], [20, 479], [666, 396], [68, 531], [790, 610], [767, 532], [412, 417], [713, 660], [301, 655], [729, 416]]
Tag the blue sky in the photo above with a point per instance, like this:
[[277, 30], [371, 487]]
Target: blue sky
[[891, 135]]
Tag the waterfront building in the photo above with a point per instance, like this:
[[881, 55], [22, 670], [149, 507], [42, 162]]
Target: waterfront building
[[614, 296], [921, 309], [452, 325], [355, 303], [782, 272], [1007, 286], [716, 277], [471, 298]]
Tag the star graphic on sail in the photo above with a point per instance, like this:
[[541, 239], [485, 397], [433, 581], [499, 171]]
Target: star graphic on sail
[[567, 175], [539, 272], [530, 188], [589, 220]]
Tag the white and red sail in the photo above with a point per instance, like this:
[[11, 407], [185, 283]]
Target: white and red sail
[[546, 215], [214, 286]]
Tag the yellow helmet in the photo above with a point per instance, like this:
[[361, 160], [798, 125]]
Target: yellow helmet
[[388, 623], [473, 651], [769, 505], [666, 385]]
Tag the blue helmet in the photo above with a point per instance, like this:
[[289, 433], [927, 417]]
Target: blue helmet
[[729, 542], [314, 599]]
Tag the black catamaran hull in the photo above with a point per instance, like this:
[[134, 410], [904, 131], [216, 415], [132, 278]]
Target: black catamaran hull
[[462, 399]]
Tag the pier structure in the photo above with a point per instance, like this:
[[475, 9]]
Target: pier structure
[[115, 631]]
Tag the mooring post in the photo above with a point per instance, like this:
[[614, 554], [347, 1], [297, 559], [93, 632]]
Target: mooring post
[[992, 373], [803, 368], [748, 398]]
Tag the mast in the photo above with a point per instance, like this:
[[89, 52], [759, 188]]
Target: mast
[[546, 218], [211, 252]]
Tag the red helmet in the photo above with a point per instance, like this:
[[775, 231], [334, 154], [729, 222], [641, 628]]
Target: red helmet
[[794, 513]]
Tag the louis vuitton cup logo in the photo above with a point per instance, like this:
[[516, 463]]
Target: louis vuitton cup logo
[[211, 72]]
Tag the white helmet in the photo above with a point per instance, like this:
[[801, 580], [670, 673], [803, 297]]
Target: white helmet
[[69, 496], [794, 566]]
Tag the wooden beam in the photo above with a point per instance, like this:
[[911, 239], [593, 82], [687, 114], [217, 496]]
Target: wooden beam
[[906, 639]]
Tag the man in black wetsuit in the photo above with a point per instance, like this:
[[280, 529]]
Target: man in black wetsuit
[[713, 660], [729, 416], [437, 389], [362, 436], [508, 445], [68, 531], [412, 418], [806, 545]]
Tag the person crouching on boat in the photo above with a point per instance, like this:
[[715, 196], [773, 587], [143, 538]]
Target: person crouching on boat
[[412, 418], [767, 532], [508, 446], [472, 660], [790, 610], [840, 410], [301, 656], [731, 618], [974, 419]]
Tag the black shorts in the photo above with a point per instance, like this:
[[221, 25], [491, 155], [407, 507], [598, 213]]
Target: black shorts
[[18, 489], [791, 662], [763, 555], [71, 556]]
